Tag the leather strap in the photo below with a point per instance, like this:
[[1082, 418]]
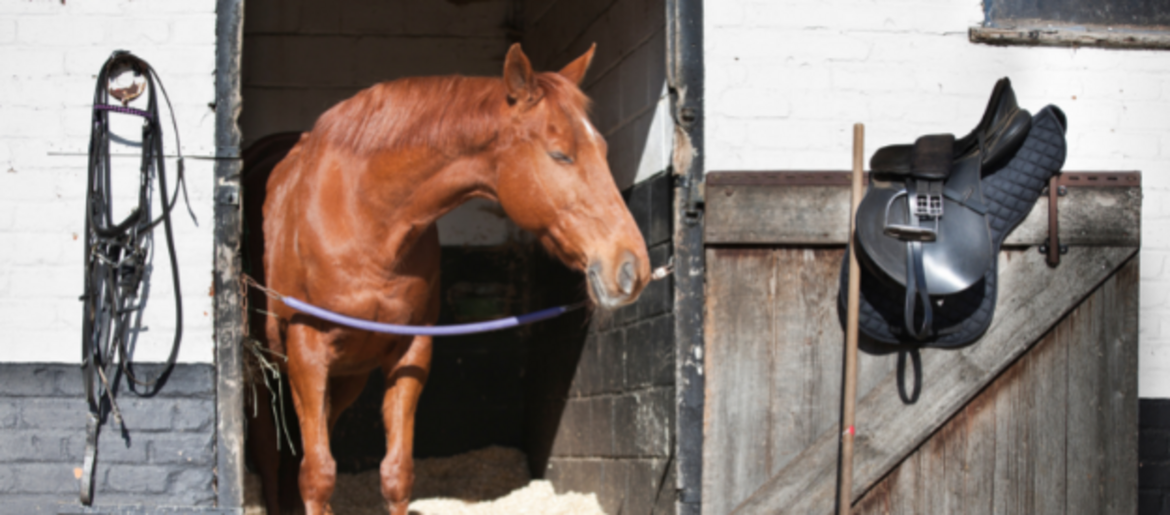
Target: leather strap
[[91, 434], [916, 362], [916, 288], [1053, 258]]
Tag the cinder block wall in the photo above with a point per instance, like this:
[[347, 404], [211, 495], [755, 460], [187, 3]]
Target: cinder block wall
[[51, 53], [600, 403], [626, 80], [301, 57]]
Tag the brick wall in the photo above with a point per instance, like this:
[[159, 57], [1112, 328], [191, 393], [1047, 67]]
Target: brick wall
[[786, 81], [166, 458], [51, 53], [1154, 456], [626, 80], [600, 405]]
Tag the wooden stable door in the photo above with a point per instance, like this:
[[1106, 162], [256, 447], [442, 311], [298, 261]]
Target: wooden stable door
[[1038, 416]]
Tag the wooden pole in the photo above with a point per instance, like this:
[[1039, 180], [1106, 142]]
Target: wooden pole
[[845, 501]]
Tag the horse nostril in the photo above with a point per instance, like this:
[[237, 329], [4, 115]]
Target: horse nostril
[[626, 277]]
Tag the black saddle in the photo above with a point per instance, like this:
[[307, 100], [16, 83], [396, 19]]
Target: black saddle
[[934, 216]]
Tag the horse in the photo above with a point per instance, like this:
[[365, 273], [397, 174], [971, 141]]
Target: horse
[[349, 225]]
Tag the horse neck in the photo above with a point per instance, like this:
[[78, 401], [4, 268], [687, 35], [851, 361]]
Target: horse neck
[[407, 191]]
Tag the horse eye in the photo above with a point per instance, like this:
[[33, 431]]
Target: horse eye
[[561, 157]]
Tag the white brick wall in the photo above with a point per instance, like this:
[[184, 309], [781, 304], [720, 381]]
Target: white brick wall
[[49, 56], [787, 79]]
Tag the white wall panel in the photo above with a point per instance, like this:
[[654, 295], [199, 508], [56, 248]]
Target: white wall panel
[[51, 53]]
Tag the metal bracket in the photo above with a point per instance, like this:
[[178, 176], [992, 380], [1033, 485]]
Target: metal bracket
[[228, 193], [1053, 249]]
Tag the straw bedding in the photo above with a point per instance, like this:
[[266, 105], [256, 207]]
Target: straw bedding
[[491, 481]]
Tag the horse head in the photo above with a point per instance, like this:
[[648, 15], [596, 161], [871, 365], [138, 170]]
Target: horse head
[[553, 180]]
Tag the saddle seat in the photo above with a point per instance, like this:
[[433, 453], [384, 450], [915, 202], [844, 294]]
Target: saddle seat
[[922, 225]]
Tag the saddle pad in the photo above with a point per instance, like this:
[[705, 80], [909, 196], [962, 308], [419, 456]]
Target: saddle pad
[[1010, 194]]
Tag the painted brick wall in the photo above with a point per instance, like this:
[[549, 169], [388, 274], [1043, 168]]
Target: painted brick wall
[[786, 81], [600, 405], [50, 53], [627, 80], [166, 459], [600, 401]]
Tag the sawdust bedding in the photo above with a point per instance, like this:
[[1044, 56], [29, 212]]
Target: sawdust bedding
[[491, 481]]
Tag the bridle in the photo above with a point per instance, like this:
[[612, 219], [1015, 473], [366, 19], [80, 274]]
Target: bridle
[[117, 254]]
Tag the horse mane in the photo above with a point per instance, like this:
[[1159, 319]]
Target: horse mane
[[449, 113]]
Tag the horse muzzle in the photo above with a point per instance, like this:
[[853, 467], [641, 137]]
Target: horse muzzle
[[614, 286]]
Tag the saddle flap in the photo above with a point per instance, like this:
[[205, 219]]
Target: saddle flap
[[932, 157], [961, 249], [929, 158]]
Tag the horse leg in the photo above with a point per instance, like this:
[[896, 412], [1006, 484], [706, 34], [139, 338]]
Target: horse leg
[[309, 376], [404, 384]]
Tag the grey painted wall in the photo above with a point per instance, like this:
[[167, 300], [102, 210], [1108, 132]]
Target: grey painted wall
[[165, 457]]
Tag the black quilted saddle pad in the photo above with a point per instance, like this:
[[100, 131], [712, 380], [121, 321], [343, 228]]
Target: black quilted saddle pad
[[1010, 193]]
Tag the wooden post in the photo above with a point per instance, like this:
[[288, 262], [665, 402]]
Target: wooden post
[[845, 500]]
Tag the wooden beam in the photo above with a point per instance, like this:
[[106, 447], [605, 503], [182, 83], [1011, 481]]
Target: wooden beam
[[1057, 37], [762, 214], [1034, 298]]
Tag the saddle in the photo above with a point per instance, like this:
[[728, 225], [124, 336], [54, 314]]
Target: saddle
[[934, 216]]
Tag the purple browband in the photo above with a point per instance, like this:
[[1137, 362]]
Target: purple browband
[[415, 330], [123, 110]]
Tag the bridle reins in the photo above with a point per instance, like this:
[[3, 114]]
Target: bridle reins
[[117, 255]]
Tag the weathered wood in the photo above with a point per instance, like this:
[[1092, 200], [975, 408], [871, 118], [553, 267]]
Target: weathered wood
[[778, 305], [229, 305], [773, 384], [819, 215], [889, 430], [1051, 408], [1049, 36], [1102, 450]]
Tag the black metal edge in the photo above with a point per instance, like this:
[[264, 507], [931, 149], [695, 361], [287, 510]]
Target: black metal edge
[[685, 76], [229, 321]]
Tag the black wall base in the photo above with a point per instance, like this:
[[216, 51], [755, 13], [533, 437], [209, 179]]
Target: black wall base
[[1154, 456]]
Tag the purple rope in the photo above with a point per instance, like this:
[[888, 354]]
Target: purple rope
[[123, 110], [416, 330]]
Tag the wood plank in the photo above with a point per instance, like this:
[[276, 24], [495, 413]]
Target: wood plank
[[738, 368], [1102, 412], [980, 450], [782, 343], [1046, 417], [819, 215], [888, 431], [770, 313], [1023, 416], [1022, 421], [1009, 492]]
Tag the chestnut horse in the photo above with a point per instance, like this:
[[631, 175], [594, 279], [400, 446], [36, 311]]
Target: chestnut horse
[[349, 225]]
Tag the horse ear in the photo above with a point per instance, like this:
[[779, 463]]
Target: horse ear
[[518, 76], [575, 71]]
